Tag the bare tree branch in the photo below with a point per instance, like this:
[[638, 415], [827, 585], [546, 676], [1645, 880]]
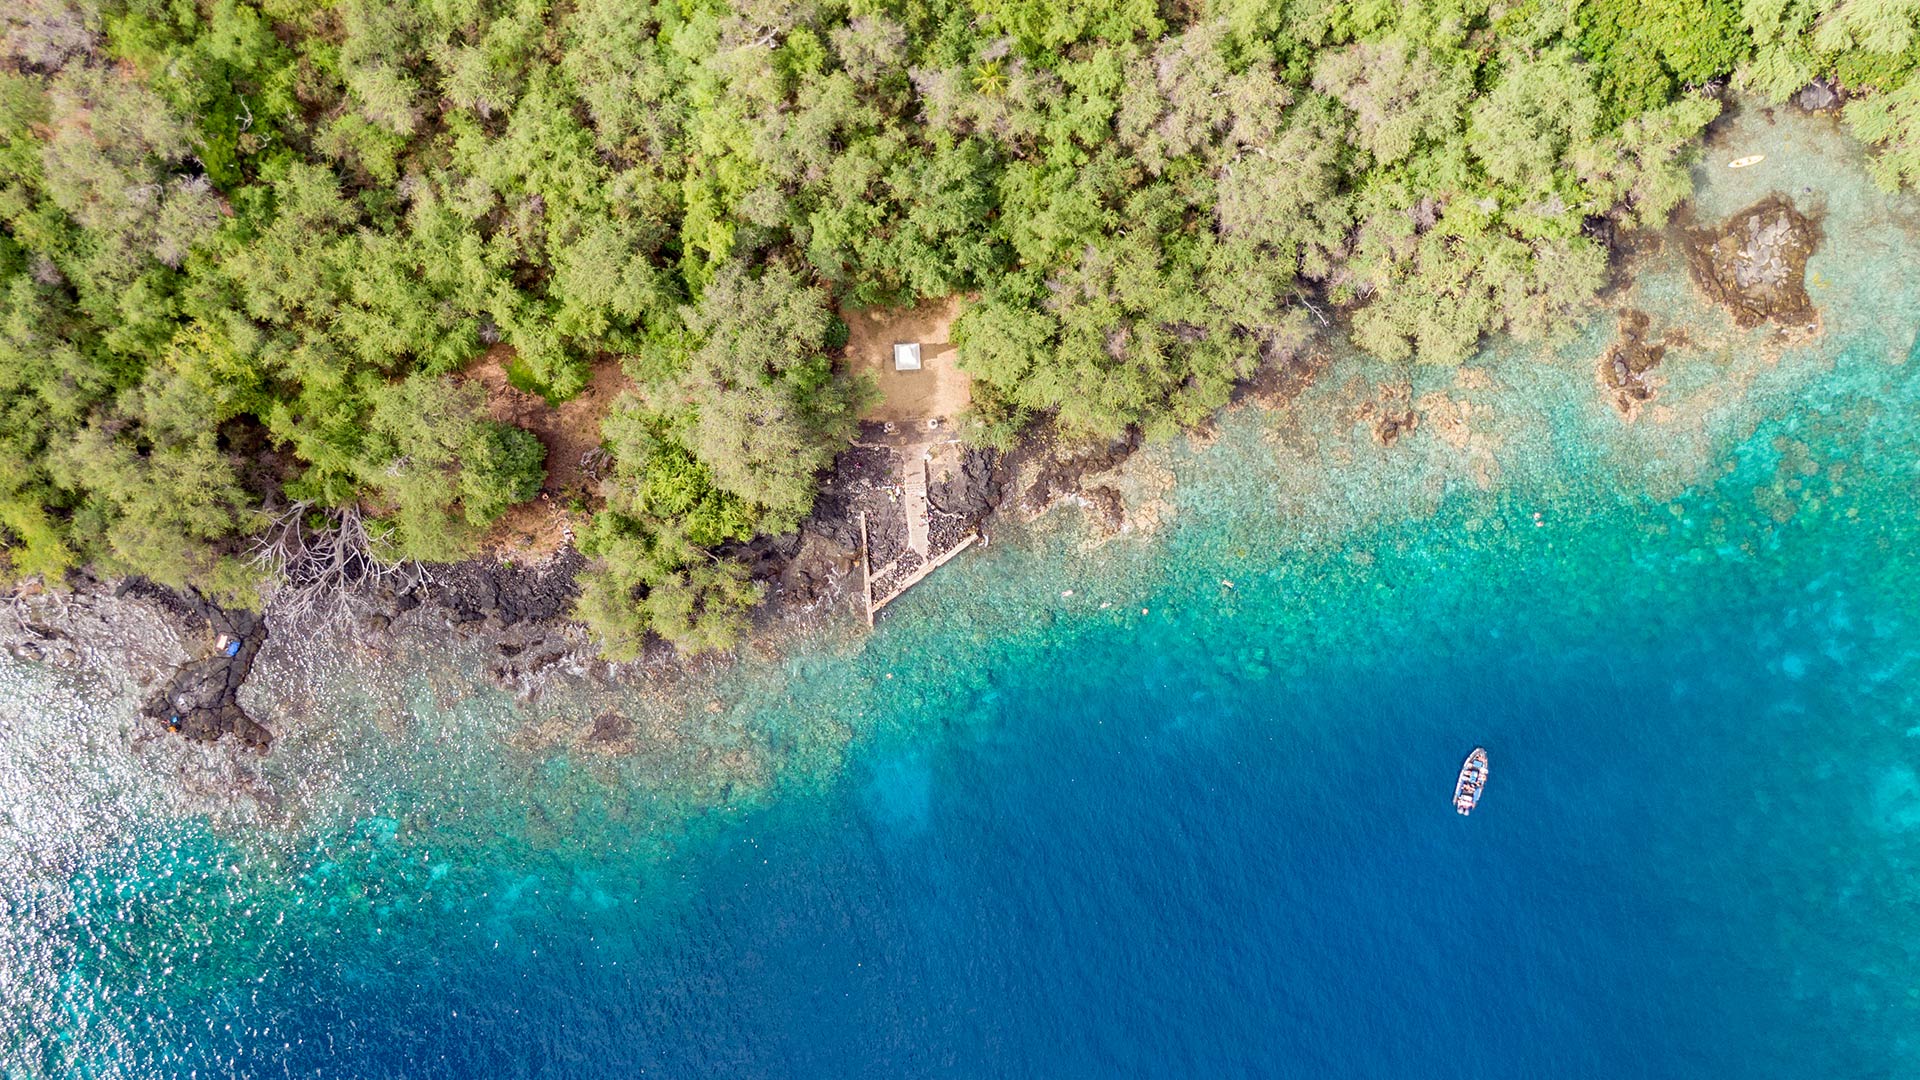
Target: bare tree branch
[[325, 569], [1310, 306]]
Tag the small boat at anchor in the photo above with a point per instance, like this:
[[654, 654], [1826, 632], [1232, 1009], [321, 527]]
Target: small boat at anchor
[[1473, 780]]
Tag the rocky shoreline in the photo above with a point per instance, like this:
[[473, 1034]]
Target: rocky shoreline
[[1753, 265], [202, 698], [190, 657]]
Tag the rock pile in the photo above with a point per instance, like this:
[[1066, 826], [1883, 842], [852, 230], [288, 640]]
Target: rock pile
[[1755, 264], [963, 500]]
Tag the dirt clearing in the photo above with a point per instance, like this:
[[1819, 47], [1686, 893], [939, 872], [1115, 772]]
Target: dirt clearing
[[938, 391]]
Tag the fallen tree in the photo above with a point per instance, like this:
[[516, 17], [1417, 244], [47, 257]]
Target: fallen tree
[[325, 559]]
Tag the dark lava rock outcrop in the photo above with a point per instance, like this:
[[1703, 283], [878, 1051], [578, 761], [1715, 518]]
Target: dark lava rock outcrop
[[1818, 96], [1756, 264], [961, 501], [1064, 466], [864, 481], [500, 594], [202, 699]]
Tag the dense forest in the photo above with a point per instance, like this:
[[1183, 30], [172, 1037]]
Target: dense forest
[[247, 247]]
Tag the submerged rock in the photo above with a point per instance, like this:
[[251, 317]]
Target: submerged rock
[[1389, 413], [1061, 468], [1105, 506], [1626, 369], [1755, 265], [528, 655], [611, 727]]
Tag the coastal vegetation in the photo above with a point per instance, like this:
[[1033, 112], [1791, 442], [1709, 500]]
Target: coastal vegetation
[[249, 247]]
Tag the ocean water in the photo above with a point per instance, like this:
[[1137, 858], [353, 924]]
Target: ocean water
[[1170, 804]]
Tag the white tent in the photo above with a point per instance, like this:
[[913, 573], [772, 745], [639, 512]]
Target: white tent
[[906, 356]]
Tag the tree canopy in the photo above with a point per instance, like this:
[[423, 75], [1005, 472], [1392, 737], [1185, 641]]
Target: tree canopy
[[249, 248]]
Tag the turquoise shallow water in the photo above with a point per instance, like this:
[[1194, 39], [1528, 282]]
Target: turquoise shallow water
[[1085, 809]]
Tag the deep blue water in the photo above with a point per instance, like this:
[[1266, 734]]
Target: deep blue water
[[1213, 838], [1125, 864], [1210, 839]]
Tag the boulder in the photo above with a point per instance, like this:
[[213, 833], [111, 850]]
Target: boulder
[[1818, 96]]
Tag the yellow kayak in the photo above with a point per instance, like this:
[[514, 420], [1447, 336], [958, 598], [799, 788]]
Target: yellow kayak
[[1742, 163]]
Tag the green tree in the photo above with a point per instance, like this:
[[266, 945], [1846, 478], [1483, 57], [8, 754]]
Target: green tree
[[502, 465], [1890, 122], [440, 468], [1402, 98], [755, 398], [247, 247], [1645, 52], [654, 581], [1522, 129], [157, 501], [1050, 24]]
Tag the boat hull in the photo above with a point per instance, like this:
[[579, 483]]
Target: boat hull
[[1472, 781]]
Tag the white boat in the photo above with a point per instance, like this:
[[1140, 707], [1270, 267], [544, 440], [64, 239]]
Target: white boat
[[1473, 780]]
